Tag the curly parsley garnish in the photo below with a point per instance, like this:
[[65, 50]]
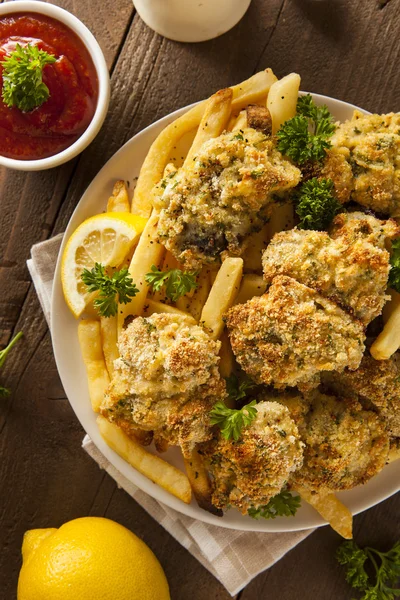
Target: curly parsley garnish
[[231, 421], [22, 74], [3, 355], [385, 564], [281, 505], [238, 390], [394, 273], [295, 139], [177, 283], [118, 287], [316, 205]]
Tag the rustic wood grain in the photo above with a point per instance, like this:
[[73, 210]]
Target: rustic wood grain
[[30, 201], [349, 50]]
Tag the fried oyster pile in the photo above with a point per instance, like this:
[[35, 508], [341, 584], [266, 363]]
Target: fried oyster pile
[[327, 414]]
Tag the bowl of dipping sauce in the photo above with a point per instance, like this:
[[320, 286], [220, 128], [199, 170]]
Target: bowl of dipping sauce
[[54, 86]]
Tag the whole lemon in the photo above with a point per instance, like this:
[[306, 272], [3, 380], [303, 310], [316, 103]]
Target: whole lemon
[[89, 559]]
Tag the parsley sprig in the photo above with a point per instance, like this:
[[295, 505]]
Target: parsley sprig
[[3, 355], [394, 273], [238, 390], [281, 505], [295, 139], [231, 421], [176, 282], [316, 205], [118, 287], [22, 74], [385, 564]]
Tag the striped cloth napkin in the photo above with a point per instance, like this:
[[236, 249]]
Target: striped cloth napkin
[[233, 557]]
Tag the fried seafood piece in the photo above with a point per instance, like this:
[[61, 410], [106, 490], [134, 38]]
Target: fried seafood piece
[[213, 205], [290, 334], [350, 264], [250, 471], [345, 445], [371, 146], [336, 168], [166, 380], [376, 384]]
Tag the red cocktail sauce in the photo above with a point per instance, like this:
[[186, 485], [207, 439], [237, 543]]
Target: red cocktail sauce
[[72, 82]]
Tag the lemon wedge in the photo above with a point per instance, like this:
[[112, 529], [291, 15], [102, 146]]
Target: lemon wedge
[[105, 239]]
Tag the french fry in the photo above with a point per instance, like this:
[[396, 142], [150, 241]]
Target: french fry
[[252, 90], [200, 482], [226, 357], [256, 246], [199, 297], [148, 252], [332, 510], [155, 468], [282, 219], [222, 296], [282, 99], [240, 121], [109, 327], [152, 306], [388, 341], [89, 336], [119, 201], [252, 285], [213, 122]]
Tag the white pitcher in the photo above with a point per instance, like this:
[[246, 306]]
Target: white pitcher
[[191, 20]]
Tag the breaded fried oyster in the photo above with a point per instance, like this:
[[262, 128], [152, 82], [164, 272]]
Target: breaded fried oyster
[[250, 471], [371, 145], [376, 383], [214, 204], [345, 445], [290, 334], [350, 265], [166, 380]]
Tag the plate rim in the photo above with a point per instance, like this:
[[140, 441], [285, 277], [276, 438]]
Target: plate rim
[[127, 471]]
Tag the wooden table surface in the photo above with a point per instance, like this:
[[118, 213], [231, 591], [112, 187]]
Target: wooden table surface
[[346, 49]]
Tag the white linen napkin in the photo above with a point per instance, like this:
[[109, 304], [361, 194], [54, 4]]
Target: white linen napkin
[[233, 557]]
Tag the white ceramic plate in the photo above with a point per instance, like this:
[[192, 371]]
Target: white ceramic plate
[[125, 164]]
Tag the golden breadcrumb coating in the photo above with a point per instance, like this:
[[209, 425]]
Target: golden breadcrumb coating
[[375, 383], [350, 266], [213, 205], [336, 168], [290, 334], [166, 380], [371, 145], [345, 445], [249, 472]]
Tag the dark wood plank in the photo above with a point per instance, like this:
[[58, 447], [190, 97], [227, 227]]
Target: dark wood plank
[[30, 201], [311, 570]]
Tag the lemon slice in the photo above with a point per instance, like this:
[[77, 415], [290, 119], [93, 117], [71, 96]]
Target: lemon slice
[[105, 239]]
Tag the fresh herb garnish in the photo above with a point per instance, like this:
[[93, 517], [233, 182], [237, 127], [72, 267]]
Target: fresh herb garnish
[[117, 288], [385, 564], [22, 74], [281, 505], [316, 204], [394, 273], [236, 389], [3, 355], [177, 283], [297, 142], [231, 421]]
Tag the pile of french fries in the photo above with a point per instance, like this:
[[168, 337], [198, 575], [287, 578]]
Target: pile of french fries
[[236, 281]]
